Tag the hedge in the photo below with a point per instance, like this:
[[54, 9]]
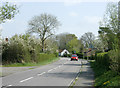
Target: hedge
[[43, 57], [110, 60], [23, 49], [103, 59], [114, 56]]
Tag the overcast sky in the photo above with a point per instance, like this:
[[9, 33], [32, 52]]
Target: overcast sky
[[76, 17]]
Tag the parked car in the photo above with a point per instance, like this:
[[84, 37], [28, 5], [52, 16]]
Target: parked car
[[74, 57]]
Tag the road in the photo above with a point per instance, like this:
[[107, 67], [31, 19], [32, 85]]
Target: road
[[60, 73]]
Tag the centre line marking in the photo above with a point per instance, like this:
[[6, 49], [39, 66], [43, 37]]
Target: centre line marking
[[55, 67], [59, 66], [26, 79], [9, 85], [65, 62], [50, 70], [41, 73]]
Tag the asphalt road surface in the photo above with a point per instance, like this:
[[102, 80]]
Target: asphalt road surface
[[60, 73]]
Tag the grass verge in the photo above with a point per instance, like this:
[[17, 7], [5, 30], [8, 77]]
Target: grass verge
[[105, 78], [47, 61]]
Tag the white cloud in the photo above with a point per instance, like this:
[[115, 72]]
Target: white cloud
[[92, 19], [73, 14]]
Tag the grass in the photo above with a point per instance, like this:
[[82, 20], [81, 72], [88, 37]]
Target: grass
[[32, 64], [105, 78]]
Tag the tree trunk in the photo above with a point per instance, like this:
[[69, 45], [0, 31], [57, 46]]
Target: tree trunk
[[42, 45]]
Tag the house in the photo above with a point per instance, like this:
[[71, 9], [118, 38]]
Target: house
[[63, 52], [89, 51]]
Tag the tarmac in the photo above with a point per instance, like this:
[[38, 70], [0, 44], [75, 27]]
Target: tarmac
[[85, 78]]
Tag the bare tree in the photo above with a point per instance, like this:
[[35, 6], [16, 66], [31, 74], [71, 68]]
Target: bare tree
[[88, 39], [44, 25]]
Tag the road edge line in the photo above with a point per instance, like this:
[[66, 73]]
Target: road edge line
[[74, 80]]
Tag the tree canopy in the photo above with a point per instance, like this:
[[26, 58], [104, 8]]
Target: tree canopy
[[44, 25], [7, 11]]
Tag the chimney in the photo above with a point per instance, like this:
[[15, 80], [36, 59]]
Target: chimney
[[6, 39]]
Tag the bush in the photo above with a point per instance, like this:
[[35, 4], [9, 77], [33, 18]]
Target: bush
[[43, 57], [56, 54], [103, 59], [109, 59], [105, 78], [114, 56], [92, 57], [65, 55], [23, 49], [13, 51], [107, 69], [69, 55], [80, 55]]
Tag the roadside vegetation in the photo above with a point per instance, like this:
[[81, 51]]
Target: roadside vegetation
[[27, 49], [105, 76], [107, 58]]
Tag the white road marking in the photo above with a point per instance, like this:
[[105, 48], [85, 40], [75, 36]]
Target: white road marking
[[55, 68], [59, 66], [41, 73], [26, 79], [71, 82], [50, 70], [65, 62], [9, 85], [76, 76]]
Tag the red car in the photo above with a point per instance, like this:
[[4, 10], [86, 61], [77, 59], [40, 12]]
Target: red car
[[74, 57]]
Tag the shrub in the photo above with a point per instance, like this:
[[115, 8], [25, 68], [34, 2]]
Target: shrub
[[13, 51], [105, 78], [56, 54], [24, 49], [43, 57], [20, 49], [114, 56], [103, 59], [69, 55], [65, 55], [80, 55], [109, 59]]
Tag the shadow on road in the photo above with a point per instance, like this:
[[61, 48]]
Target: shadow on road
[[73, 64], [86, 77], [64, 75]]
